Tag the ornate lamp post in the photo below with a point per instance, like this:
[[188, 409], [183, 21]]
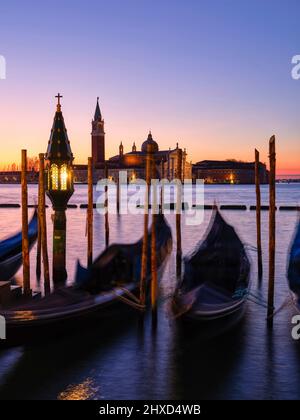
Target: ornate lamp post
[[59, 188]]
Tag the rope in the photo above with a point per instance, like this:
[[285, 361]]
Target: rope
[[130, 302], [184, 310], [288, 302], [258, 303], [251, 247], [131, 295], [244, 293], [258, 297], [262, 302]]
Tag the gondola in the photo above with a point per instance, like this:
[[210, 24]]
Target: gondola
[[96, 293], [11, 250], [216, 276], [294, 269]]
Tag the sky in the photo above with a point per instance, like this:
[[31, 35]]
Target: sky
[[213, 75]]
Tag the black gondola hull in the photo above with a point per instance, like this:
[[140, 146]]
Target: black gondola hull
[[11, 251], [213, 292], [71, 308], [99, 311], [294, 269], [208, 328]]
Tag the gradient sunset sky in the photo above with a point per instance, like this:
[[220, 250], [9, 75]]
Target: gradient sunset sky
[[214, 75]]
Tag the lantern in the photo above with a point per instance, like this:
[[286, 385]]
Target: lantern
[[60, 187]]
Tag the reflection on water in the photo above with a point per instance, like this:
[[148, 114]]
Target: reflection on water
[[125, 360], [203, 366], [84, 391]]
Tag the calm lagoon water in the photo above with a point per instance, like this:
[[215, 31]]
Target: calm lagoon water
[[127, 362]]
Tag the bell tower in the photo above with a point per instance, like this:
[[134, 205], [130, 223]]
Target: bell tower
[[98, 138]]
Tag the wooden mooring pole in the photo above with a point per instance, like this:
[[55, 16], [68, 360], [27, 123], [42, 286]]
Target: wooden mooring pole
[[258, 216], [154, 281], [118, 194], [38, 251], [272, 229], [178, 214], [25, 242], [43, 223], [144, 263], [162, 196], [90, 218], [106, 208]]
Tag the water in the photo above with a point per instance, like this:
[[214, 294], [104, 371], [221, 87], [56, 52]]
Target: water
[[128, 362]]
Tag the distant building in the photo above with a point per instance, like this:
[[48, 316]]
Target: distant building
[[134, 161], [166, 161], [98, 138], [229, 172], [14, 177]]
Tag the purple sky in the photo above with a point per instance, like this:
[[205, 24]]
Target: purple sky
[[214, 75]]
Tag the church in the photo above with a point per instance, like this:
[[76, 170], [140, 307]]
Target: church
[[132, 161]]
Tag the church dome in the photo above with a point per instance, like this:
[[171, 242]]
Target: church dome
[[149, 142]]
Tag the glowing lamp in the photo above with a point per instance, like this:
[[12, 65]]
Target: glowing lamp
[[60, 187]]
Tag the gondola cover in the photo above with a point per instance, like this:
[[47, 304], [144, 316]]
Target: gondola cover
[[216, 275], [294, 264]]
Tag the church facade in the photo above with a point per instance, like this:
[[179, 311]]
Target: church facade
[[134, 161], [166, 161]]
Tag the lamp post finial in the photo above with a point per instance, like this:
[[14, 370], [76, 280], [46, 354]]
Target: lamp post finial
[[58, 96]]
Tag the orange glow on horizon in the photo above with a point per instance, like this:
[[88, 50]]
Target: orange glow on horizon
[[283, 168], [204, 140]]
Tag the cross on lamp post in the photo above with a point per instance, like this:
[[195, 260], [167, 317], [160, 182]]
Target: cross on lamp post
[[58, 96]]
